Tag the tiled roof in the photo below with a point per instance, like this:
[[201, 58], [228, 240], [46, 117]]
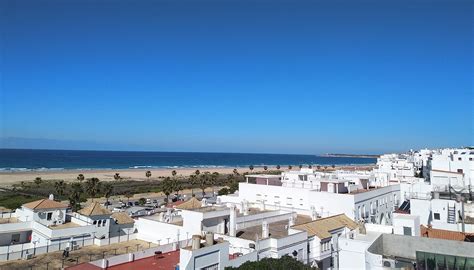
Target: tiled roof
[[44, 204], [443, 234], [193, 203], [94, 209], [122, 218], [323, 226]]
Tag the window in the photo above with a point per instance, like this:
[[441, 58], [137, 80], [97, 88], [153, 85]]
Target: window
[[211, 267], [407, 230], [460, 171], [470, 159], [437, 216], [459, 159], [49, 216]]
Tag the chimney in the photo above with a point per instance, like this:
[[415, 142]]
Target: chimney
[[314, 214], [232, 221], [291, 221], [245, 207], [195, 242], [51, 197], [265, 230], [209, 239]]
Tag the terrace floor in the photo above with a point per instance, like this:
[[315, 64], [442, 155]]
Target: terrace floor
[[166, 261]]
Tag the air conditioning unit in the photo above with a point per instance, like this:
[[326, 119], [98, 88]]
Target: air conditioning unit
[[389, 263]]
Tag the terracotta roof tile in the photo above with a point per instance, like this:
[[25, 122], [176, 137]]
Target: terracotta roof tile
[[322, 227], [122, 218], [192, 203], [44, 204], [94, 209], [443, 234]]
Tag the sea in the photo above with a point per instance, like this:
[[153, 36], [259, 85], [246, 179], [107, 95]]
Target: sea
[[43, 160]]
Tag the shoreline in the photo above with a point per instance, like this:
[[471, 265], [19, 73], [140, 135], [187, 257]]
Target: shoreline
[[8, 178]]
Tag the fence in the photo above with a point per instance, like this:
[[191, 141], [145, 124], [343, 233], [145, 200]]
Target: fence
[[28, 250]]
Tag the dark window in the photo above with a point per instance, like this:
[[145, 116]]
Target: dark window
[[49, 216], [459, 159], [406, 230], [460, 171], [436, 216]]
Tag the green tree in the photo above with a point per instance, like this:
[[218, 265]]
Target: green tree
[[284, 263], [290, 167], [301, 166], [177, 186], [235, 172], [310, 166], [251, 168], [107, 190], [117, 176], [265, 168], [75, 196], [278, 167], [38, 181], [167, 186], [128, 195], [60, 187], [223, 191], [174, 173], [333, 166], [92, 187], [318, 167], [80, 177], [203, 181], [141, 201]]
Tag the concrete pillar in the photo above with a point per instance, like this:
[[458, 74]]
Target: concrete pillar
[[131, 257], [232, 221]]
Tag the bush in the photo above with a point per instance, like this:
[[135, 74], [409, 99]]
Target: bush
[[223, 191], [284, 263]]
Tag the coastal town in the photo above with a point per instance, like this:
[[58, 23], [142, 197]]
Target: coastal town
[[410, 210]]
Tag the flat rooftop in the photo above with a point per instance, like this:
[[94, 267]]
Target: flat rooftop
[[206, 209], [277, 229], [166, 261], [64, 226]]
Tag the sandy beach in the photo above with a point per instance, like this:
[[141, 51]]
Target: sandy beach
[[10, 178]]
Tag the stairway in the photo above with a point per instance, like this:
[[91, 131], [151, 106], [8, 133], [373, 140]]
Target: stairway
[[451, 214]]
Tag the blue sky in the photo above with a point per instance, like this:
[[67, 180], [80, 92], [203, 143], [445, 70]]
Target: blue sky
[[237, 76]]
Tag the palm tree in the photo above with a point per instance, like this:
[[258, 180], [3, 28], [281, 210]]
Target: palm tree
[[60, 186], [174, 173], [148, 174], [117, 176], [75, 196], [333, 166], [203, 182], [290, 167], [278, 167], [235, 172], [128, 195], [325, 167], [177, 186], [197, 172], [310, 166], [265, 168], [92, 187], [80, 177], [107, 189], [167, 186], [318, 167], [38, 181], [251, 167], [301, 166]]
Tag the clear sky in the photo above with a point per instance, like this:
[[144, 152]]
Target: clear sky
[[237, 76]]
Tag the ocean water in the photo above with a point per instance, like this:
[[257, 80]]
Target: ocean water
[[27, 160]]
